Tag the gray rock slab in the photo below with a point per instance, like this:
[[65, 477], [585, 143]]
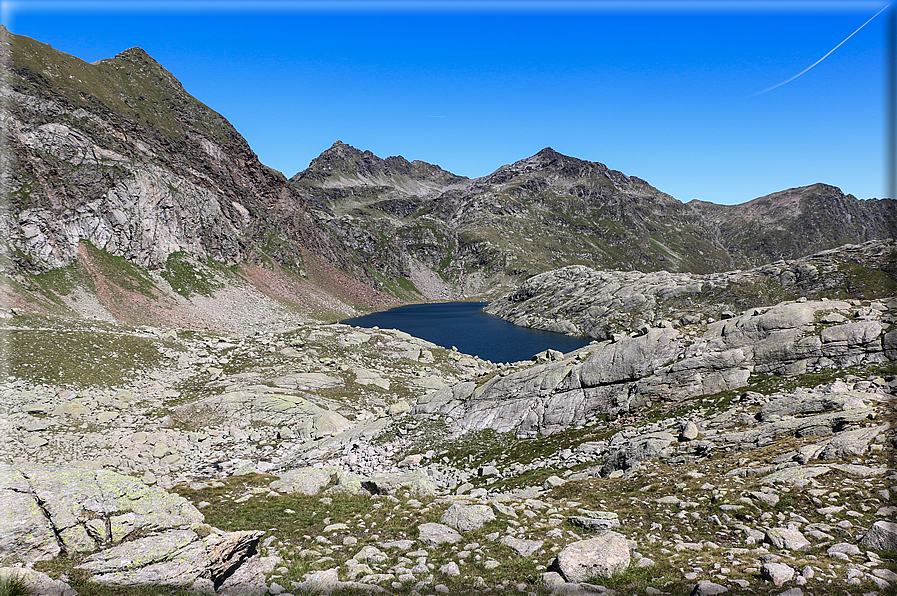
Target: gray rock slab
[[172, 558], [522, 547], [306, 481], [84, 508], [851, 443]]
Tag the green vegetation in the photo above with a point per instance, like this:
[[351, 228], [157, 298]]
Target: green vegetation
[[13, 585], [79, 356], [869, 283], [116, 84], [188, 277], [65, 566], [400, 287], [121, 272]]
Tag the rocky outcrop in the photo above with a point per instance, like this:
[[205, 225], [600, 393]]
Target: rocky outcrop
[[799, 476], [134, 535], [142, 178], [666, 364], [578, 300]]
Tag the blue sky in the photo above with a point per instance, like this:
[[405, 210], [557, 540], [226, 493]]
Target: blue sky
[[660, 90]]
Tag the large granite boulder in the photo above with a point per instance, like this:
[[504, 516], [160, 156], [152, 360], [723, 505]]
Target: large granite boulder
[[603, 556], [51, 509]]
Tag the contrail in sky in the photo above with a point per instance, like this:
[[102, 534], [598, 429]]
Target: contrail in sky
[[824, 57]]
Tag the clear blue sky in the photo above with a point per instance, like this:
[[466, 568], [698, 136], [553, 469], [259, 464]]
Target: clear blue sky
[[659, 90]]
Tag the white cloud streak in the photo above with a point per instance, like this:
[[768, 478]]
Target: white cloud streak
[[786, 81]]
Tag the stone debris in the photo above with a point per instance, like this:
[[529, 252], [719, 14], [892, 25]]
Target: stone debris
[[797, 479]]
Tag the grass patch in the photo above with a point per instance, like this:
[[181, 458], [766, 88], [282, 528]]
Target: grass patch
[[120, 272], [188, 277], [79, 357], [13, 585]]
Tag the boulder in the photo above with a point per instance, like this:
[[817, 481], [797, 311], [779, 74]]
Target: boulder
[[432, 534], [417, 482], [635, 450], [708, 588], [787, 538], [603, 556], [689, 432], [467, 517], [306, 481], [522, 547], [777, 573], [881, 536], [596, 520]]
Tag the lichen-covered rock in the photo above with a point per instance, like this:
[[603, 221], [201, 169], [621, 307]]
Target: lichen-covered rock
[[417, 482], [777, 573], [36, 582], [80, 510], [306, 481], [172, 558]]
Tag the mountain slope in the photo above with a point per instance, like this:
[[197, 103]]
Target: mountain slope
[[798, 221], [115, 163]]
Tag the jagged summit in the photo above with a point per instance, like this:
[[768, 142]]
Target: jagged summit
[[344, 165]]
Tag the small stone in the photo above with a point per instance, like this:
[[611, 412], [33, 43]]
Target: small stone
[[451, 569]]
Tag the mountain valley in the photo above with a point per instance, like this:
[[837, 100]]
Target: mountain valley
[[182, 413]]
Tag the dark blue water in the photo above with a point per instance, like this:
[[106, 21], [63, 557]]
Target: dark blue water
[[465, 326]]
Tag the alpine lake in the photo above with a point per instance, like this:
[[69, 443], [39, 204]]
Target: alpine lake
[[465, 326]]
